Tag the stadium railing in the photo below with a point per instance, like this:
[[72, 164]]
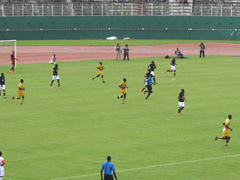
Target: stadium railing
[[120, 8]]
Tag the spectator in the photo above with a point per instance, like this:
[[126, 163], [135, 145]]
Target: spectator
[[118, 52], [202, 49], [178, 53], [126, 52]]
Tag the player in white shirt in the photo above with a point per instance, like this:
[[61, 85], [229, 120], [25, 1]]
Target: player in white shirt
[[53, 59], [2, 162]]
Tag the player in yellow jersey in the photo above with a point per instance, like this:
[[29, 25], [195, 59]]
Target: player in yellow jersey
[[100, 69], [122, 90], [20, 91], [226, 128]]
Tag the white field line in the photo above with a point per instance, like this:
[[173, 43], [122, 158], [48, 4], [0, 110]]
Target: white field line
[[172, 79], [153, 166]]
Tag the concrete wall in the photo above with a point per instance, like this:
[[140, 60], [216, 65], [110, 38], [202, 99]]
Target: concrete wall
[[136, 27]]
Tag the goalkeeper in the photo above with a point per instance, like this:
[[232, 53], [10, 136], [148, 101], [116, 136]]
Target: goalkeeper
[[13, 61]]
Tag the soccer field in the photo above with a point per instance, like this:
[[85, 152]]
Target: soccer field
[[66, 134]]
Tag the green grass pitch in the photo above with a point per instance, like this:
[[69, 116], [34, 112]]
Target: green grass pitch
[[96, 42], [67, 133]]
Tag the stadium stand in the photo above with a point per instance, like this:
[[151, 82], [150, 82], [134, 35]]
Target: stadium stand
[[119, 7]]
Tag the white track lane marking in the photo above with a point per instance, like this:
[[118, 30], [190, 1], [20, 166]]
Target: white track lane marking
[[154, 166]]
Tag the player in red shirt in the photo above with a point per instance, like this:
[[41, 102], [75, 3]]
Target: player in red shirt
[[13, 61], [2, 162]]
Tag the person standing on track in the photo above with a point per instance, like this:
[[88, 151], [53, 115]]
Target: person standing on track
[[226, 128], [173, 67], [55, 76], [108, 168], [118, 52], [202, 49], [126, 52], [13, 61], [2, 85], [53, 59], [2, 162]]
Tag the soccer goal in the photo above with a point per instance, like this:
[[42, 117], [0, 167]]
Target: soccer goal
[[6, 48]]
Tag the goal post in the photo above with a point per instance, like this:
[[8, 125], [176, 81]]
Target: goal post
[[6, 48]]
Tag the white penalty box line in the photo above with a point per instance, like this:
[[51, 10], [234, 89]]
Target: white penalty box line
[[153, 166]]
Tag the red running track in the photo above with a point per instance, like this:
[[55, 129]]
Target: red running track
[[43, 54]]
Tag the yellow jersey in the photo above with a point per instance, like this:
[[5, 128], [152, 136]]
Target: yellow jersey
[[123, 85], [20, 86], [226, 123], [100, 67]]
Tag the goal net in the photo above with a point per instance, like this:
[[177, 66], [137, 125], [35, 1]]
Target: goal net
[[6, 48]]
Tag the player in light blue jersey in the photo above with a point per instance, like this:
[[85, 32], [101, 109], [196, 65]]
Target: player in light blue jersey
[[149, 86], [108, 168]]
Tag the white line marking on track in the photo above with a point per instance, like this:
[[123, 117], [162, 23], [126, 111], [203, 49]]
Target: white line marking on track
[[153, 166]]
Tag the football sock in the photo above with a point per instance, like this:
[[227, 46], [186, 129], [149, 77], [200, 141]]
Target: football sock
[[58, 83], [102, 80], [148, 95], [0, 93], [220, 137], [22, 100], [51, 82], [154, 80], [4, 94], [179, 110], [226, 143], [124, 100], [175, 73]]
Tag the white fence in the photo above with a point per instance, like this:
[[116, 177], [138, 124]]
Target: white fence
[[119, 9]]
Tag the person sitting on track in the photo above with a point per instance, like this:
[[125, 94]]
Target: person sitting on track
[[178, 53]]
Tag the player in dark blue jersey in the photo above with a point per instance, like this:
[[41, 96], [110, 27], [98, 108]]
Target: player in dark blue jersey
[[55, 76]]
